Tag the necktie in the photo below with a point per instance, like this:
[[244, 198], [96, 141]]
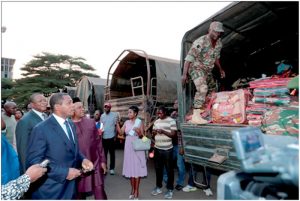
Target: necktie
[[69, 131]]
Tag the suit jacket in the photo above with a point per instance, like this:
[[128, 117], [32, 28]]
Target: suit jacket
[[23, 130], [49, 141]]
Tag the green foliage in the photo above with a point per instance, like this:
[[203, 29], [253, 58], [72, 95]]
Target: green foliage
[[47, 73], [6, 83], [6, 88]]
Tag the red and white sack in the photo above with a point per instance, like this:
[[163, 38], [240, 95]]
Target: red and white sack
[[229, 107]]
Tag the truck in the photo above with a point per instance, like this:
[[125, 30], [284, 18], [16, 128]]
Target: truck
[[90, 90], [257, 34], [146, 81]]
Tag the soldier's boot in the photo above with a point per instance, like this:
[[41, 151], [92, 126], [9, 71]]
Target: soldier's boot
[[197, 118]]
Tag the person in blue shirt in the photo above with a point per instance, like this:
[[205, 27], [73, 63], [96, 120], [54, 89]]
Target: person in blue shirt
[[13, 186], [110, 123], [10, 167]]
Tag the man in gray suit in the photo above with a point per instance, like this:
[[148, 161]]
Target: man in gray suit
[[24, 127]]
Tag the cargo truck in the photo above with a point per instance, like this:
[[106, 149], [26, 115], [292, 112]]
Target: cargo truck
[[146, 81], [257, 34]]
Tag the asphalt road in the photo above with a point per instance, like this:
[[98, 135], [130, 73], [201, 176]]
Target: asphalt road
[[118, 187]]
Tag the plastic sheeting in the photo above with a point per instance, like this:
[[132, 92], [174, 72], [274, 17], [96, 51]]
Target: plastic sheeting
[[167, 75], [90, 90]]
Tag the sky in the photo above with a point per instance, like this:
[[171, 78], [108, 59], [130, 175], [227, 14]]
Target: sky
[[98, 31]]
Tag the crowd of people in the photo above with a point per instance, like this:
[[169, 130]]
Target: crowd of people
[[77, 146]]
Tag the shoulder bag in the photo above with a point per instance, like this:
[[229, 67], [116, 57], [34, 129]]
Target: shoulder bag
[[141, 144]]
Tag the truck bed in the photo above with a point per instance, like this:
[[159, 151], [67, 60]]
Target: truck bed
[[202, 141]]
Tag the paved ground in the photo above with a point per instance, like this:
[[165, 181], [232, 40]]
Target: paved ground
[[118, 187]]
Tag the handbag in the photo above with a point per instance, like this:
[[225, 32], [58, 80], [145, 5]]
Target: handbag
[[141, 144]]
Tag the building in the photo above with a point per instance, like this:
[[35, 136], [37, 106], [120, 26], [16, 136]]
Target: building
[[7, 65]]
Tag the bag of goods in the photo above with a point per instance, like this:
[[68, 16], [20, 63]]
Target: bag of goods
[[229, 107]]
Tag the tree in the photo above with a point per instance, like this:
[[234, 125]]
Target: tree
[[6, 83], [62, 68], [48, 73], [6, 88]]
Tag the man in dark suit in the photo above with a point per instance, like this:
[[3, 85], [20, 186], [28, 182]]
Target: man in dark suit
[[55, 139], [25, 125]]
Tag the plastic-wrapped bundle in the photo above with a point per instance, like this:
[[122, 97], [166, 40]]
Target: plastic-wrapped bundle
[[272, 100], [269, 82], [282, 121], [229, 107], [257, 108], [277, 91]]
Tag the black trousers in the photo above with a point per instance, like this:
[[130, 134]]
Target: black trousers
[[164, 158], [109, 146]]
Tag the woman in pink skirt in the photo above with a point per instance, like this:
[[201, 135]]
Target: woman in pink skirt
[[134, 165]]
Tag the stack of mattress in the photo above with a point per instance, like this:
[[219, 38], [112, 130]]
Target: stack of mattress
[[255, 113], [271, 107], [271, 91]]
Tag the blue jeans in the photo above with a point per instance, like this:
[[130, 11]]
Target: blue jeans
[[180, 165]]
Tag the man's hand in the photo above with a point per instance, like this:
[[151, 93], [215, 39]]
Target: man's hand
[[183, 80], [154, 132], [35, 172], [87, 165], [73, 173], [138, 131], [181, 151], [104, 168], [100, 131], [222, 73], [186, 67]]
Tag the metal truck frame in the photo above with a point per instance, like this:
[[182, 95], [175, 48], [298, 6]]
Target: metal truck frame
[[136, 78]]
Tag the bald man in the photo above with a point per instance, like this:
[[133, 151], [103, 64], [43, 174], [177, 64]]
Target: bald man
[[9, 118]]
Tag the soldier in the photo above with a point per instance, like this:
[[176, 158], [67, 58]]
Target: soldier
[[199, 62]]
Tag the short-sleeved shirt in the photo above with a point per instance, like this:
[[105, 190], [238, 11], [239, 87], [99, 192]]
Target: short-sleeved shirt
[[11, 124], [162, 141], [202, 55], [109, 124]]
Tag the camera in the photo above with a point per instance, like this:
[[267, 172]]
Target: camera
[[269, 167]]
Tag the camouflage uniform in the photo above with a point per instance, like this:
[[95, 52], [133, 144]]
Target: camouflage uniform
[[203, 57]]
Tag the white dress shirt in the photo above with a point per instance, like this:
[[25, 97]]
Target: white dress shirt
[[61, 122], [39, 113]]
